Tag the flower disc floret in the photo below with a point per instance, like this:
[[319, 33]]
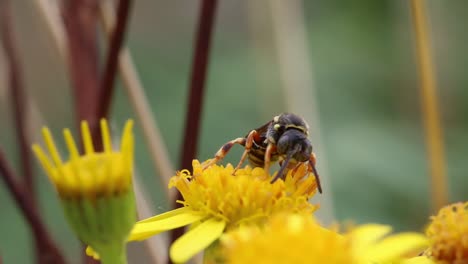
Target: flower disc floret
[[246, 197], [216, 201], [93, 174], [448, 234], [95, 189]]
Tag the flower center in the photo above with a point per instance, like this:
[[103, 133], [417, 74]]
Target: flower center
[[448, 234], [244, 198], [92, 176]]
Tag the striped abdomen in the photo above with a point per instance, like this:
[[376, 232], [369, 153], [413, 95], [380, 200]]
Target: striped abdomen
[[257, 156]]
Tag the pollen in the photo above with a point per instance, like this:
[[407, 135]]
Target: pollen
[[448, 234], [92, 174], [245, 198]]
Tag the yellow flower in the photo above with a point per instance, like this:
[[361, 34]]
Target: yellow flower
[[93, 174], [448, 234], [216, 201], [95, 189], [297, 238], [419, 260]]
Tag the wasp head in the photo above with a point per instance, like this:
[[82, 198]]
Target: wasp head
[[289, 133], [294, 142]]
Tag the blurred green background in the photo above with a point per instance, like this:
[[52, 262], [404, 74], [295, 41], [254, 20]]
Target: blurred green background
[[365, 89]]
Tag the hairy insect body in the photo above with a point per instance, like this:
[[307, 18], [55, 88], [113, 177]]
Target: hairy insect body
[[283, 139]]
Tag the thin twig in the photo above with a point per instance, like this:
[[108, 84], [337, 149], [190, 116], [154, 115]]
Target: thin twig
[[18, 96], [49, 252], [138, 99], [156, 246], [132, 85], [430, 107], [197, 87], [49, 11], [115, 44]]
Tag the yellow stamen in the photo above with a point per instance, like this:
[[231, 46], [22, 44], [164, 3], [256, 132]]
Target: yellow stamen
[[448, 234], [246, 197], [215, 201]]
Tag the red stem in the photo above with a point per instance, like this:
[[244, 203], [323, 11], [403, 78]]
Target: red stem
[[81, 17], [48, 251], [115, 44], [197, 87], [19, 105]]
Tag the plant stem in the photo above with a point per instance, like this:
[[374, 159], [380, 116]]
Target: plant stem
[[430, 107], [113, 254], [81, 18], [48, 251], [115, 44], [197, 88], [44, 249], [18, 97]]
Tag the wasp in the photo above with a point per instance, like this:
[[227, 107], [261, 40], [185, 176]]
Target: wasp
[[283, 139]]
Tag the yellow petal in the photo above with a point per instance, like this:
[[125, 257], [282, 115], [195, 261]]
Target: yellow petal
[[366, 235], [45, 161], [166, 215], [86, 137], [418, 260], [147, 229], [391, 248], [74, 154], [196, 240], [50, 144], [106, 138]]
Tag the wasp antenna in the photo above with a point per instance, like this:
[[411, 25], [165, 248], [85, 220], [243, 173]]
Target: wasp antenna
[[286, 162], [317, 178]]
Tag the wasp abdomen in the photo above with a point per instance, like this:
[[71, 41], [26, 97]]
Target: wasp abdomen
[[257, 157]]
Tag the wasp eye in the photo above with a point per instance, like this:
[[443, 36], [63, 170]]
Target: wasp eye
[[277, 126]]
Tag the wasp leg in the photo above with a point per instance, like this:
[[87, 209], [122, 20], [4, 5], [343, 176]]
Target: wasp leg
[[221, 153], [312, 161], [270, 148], [248, 145], [294, 170]]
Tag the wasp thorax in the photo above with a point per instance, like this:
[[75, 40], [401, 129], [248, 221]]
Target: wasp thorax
[[284, 122], [287, 121]]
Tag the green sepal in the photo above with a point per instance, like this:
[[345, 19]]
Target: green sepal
[[104, 223]]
